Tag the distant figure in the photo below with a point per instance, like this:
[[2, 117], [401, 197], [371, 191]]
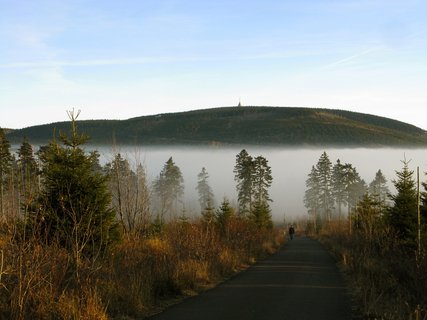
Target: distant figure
[[291, 232]]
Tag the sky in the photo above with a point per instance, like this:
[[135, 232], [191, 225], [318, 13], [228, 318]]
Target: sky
[[122, 59]]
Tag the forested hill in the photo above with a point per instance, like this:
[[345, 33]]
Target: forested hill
[[284, 126]]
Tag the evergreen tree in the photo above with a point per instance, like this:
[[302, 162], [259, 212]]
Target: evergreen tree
[[74, 206], [208, 213], [244, 171], [261, 215], [224, 214], [423, 209], [204, 190], [6, 161], [261, 180], [142, 201], [355, 186], [402, 215], [312, 193], [169, 187], [367, 216], [324, 173], [378, 189], [27, 174], [338, 186]]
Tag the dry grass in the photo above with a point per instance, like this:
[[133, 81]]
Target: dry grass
[[389, 279], [136, 278]]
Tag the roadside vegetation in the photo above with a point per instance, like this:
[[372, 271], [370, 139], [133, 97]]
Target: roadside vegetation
[[380, 242], [81, 240]]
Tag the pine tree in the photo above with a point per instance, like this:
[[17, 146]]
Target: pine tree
[[142, 202], [169, 187], [402, 215], [27, 174], [378, 189], [423, 209], [224, 214], [261, 215], [74, 206], [367, 216], [204, 190], [338, 186], [244, 171], [261, 179], [208, 213], [324, 173], [6, 161], [312, 193], [355, 186]]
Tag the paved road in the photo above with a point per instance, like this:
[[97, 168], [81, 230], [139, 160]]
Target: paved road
[[300, 282]]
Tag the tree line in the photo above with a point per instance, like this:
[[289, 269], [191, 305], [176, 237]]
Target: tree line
[[383, 239], [79, 237], [63, 192], [330, 188]]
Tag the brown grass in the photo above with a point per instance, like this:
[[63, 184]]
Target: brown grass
[[139, 276], [389, 280]]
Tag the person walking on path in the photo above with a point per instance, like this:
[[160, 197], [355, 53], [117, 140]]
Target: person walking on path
[[291, 232]]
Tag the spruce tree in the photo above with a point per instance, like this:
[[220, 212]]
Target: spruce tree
[[6, 162], [142, 203], [208, 214], [367, 216], [223, 215], [27, 174], [312, 193], [169, 188], [74, 206], [338, 186], [204, 190], [261, 179], [423, 210], [261, 215], [324, 174], [378, 189], [244, 171], [355, 186], [402, 215]]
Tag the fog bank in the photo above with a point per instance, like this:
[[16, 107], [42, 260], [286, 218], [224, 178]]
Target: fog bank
[[290, 168]]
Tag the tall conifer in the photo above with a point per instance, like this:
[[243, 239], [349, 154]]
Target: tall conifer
[[324, 174], [204, 190], [74, 206], [402, 215], [244, 170], [6, 161], [169, 188]]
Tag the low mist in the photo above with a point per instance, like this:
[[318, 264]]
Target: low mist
[[290, 168]]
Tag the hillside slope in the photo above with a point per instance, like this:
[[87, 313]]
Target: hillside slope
[[243, 125]]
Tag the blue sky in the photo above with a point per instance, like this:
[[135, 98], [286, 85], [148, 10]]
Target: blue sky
[[122, 59]]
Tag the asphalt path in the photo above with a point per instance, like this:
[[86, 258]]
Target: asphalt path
[[300, 282]]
